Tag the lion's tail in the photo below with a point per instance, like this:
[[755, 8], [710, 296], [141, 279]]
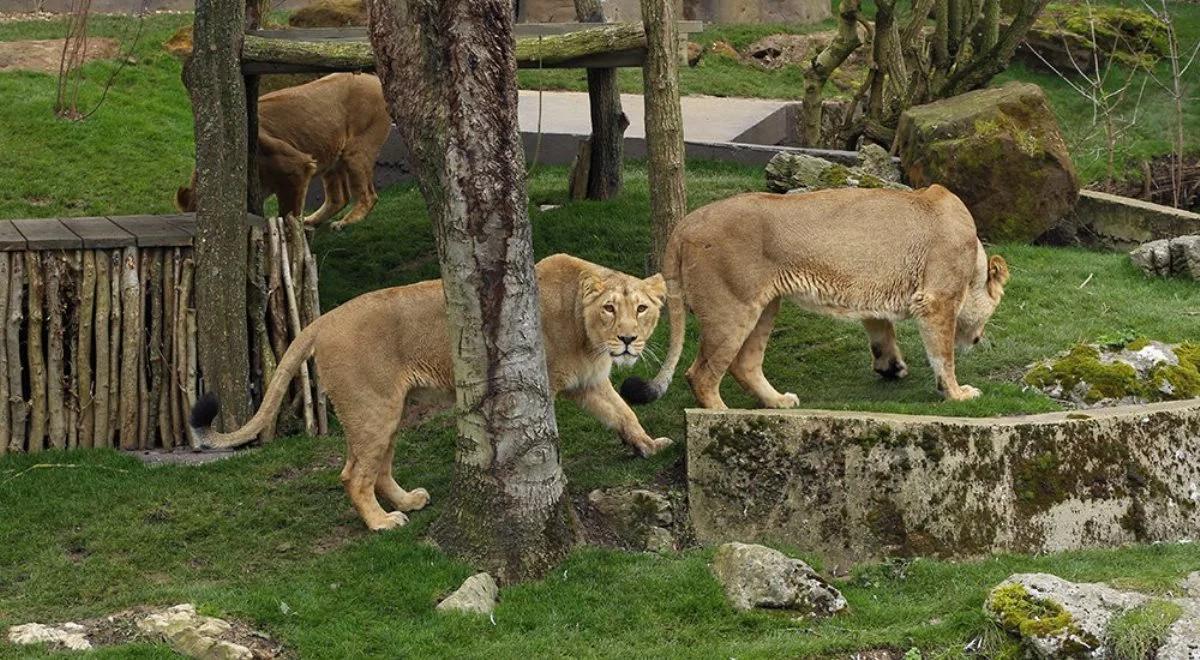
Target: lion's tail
[[207, 407], [637, 390]]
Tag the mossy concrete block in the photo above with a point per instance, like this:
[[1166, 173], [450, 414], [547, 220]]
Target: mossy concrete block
[[1122, 223], [861, 486], [1001, 151]]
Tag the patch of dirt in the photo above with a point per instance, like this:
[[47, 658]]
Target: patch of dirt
[[779, 50], [671, 482], [44, 55], [121, 628], [339, 537], [1155, 183], [181, 456]]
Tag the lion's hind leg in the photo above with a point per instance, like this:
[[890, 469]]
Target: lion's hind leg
[[886, 358], [370, 424], [936, 317], [747, 367], [387, 488], [721, 340]]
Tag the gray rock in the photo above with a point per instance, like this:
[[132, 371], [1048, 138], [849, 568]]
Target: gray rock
[[1191, 585], [1090, 607], [758, 576], [1169, 256], [878, 162], [1183, 638], [788, 172], [477, 595], [194, 635], [637, 517], [70, 635]]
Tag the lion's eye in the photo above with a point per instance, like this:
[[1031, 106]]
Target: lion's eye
[[641, 308], [610, 309]]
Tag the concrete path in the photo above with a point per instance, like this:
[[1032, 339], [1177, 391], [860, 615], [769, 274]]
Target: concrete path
[[705, 118]]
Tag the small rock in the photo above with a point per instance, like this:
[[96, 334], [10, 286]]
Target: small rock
[[192, 634], [637, 517], [876, 161], [477, 595], [722, 49], [758, 576], [1191, 584], [71, 636], [1056, 618]]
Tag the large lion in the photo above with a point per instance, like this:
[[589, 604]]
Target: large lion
[[384, 358], [875, 256], [332, 127]]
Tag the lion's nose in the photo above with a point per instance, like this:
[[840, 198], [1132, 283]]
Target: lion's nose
[[627, 339], [977, 340]]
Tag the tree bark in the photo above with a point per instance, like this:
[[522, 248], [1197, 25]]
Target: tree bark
[[56, 416], [37, 357], [18, 408], [608, 120], [822, 66], [219, 106], [5, 428], [664, 123], [449, 74]]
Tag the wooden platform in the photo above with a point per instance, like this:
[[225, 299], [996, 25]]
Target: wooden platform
[[102, 232]]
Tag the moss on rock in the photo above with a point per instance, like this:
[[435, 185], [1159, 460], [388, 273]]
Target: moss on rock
[[1082, 364], [1021, 613]]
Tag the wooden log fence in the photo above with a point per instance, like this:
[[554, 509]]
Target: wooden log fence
[[98, 329]]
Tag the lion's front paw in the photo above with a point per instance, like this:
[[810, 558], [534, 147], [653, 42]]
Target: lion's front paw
[[417, 499], [652, 447], [964, 393], [785, 400], [389, 521]]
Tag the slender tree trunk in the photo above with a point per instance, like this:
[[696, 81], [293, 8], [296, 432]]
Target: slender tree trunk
[[219, 106], [822, 67], [664, 123], [608, 120], [449, 74]]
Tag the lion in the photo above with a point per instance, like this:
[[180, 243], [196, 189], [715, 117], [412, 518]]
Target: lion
[[332, 127], [384, 359], [875, 256]]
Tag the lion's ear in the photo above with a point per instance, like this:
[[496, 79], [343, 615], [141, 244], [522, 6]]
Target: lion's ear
[[997, 275], [183, 200], [656, 287], [590, 287]]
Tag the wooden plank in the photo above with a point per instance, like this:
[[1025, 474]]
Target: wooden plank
[[47, 234], [519, 30], [99, 232], [153, 230], [11, 240]]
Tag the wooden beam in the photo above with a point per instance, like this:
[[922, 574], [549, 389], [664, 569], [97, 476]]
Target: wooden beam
[[615, 45]]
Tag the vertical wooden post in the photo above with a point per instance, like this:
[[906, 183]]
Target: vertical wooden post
[[18, 411], [604, 174], [5, 429], [33, 347], [131, 345], [219, 106], [664, 122], [56, 411], [83, 348]]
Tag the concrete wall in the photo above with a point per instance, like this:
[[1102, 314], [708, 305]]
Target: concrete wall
[[857, 486], [1122, 223]]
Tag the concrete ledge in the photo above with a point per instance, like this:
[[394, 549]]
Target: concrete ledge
[[858, 486], [1112, 221]]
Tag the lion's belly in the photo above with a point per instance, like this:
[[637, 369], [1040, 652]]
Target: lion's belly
[[849, 309], [424, 402]]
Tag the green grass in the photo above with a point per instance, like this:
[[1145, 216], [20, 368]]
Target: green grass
[[1135, 633]]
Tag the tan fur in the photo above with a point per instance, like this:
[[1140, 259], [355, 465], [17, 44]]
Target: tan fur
[[874, 256], [332, 127], [384, 358]]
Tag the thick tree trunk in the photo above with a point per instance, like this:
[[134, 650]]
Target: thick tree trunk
[[219, 106], [822, 66], [608, 120], [449, 75], [664, 123]]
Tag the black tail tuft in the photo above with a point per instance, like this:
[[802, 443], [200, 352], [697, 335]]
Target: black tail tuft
[[638, 391], [205, 411]]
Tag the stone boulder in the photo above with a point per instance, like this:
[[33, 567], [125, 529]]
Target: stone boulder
[[1169, 256], [70, 635], [1055, 618], [791, 172], [194, 635], [638, 518], [998, 149], [477, 595], [758, 576]]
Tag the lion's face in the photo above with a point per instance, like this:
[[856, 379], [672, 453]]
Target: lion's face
[[620, 313], [982, 299]]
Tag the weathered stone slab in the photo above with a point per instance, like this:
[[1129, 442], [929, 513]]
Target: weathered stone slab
[[857, 486], [1122, 223]]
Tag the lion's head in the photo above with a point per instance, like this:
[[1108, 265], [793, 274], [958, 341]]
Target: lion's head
[[987, 288], [620, 313], [185, 196]]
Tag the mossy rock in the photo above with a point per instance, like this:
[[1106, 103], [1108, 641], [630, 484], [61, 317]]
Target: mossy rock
[[1085, 373], [1001, 151], [330, 13]]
